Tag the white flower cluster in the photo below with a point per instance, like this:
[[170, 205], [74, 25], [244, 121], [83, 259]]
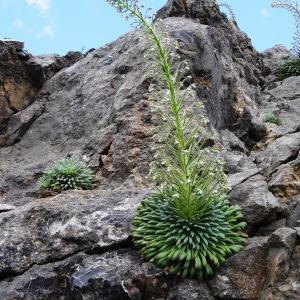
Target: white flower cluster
[[293, 8]]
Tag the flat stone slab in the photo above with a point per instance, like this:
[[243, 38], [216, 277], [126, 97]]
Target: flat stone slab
[[50, 229], [18, 45]]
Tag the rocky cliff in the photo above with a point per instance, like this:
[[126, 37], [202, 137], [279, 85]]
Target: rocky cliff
[[76, 245]]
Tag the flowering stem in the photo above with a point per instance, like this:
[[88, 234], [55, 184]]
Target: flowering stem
[[183, 180]]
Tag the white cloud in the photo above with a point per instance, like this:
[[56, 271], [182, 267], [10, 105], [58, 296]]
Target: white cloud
[[47, 32], [18, 23], [265, 13], [42, 5]]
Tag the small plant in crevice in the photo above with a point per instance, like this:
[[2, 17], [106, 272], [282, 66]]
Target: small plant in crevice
[[187, 226], [289, 69], [271, 118], [67, 174]]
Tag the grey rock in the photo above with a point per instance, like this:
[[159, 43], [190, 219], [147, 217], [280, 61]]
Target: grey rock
[[278, 152], [114, 275], [206, 11], [237, 162], [231, 142], [278, 266], [275, 56], [285, 182], [173, 8], [17, 88], [271, 81], [190, 290], [251, 128], [52, 228], [46, 66], [6, 207], [76, 245], [289, 89], [284, 101], [267, 230], [290, 287], [21, 80], [283, 238], [288, 111], [19, 123], [14, 43], [237, 178], [242, 281], [90, 120], [298, 233], [80, 277], [259, 206], [23, 55], [98, 108], [294, 213]]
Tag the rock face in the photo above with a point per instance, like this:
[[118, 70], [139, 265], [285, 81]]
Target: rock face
[[77, 245], [21, 80], [275, 56]]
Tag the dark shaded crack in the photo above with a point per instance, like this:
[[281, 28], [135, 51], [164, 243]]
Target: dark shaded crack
[[8, 276], [26, 126], [124, 244], [258, 172], [6, 96], [288, 160], [22, 128], [278, 136], [104, 152], [293, 97], [127, 243]]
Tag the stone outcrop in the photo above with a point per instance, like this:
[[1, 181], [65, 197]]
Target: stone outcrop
[[21, 80], [77, 244]]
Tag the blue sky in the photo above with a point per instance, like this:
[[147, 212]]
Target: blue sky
[[57, 26]]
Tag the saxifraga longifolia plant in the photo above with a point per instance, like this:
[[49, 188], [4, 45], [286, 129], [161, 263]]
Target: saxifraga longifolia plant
[[293, 8], [67, 174], [187, 226]]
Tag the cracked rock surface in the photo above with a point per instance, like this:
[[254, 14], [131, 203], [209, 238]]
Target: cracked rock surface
[[77, 244]]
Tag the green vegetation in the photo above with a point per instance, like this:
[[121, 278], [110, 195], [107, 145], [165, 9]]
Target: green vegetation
[[67, 174], [271, 118], [187, 226], [288, 69]]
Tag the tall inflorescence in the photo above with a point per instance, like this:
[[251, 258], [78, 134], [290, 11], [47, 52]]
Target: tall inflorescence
[[229, 9], [293, 8], [187, 226]]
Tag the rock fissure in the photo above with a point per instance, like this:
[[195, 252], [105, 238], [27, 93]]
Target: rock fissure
[[6, 96]]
